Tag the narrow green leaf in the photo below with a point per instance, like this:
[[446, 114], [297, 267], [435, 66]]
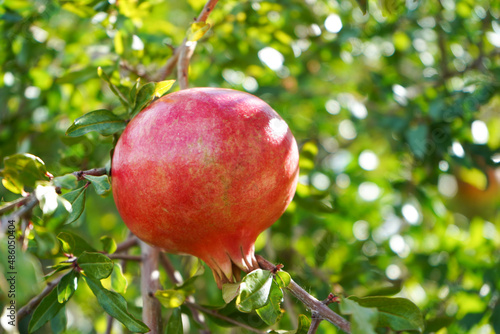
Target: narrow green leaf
[[73, 244], [46, 310], [59, 322], [399, 314], [162, 87], [254, 290], [145, 95], [22, 170], [363, 320], [95, 265], [197, 31], [77, 200], [171, 298], [67, 181], [102, 121], [118, 281], [230, 291], [174, 325], [115, 305], [283, 279], [67, 286], [271, 312], [101, 183], [108, 244]]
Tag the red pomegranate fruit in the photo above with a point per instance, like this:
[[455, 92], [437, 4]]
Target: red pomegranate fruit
[[204, 171]]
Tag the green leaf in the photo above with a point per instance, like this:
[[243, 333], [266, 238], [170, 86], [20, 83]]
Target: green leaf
[[46, 310], [77, 200], [73, 244], [197, 31], [102, 121], [363, 320], [271, 312], [58, 323], [171, 298], [115, 305], [108, 244], [303, 324], [145, 95], [67, 181], [118, 281], [174, 325], [162, 87], [67, 286], [417, 139], [133, 91], [283, 279], [22, 170], [230, 291], [254, 290], [399, 314], [101, 183], [95, 265]]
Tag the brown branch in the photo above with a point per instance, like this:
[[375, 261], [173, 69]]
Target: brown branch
[[126, 257], [127, 244], [11, 205], [151, 308], [80, 175], [109, 325], [223, 317], [33, 303], [315, 321], [29, 204], [309, 301]]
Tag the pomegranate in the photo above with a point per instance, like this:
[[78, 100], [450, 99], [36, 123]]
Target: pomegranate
[[204, 171]]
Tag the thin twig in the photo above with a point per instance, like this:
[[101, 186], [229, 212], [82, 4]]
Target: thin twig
[[127, 244], [80, 175], [126, 257], [151, 308], [11, 205], [315, 321], [33, 303], [109, 325], [169, 268], [223, 317], [309, 301], [31, 202], [183, 54]]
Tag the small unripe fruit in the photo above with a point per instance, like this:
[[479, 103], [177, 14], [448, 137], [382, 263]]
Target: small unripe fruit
[[204, 171]]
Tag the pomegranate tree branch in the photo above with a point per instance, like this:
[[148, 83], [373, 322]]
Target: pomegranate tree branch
[[11, 205], [28, 203], [317, 307], [80, 175], [223, 317], [187, 48], [151, 308], [33, 303], [127, 244]]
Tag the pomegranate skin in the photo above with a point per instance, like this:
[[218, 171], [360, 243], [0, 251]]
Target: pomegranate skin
[[204, 171]]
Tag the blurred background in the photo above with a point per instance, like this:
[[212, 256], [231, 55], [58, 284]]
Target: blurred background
[[396, 112]]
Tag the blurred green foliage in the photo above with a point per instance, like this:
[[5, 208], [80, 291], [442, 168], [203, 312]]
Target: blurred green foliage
[[396, 112]]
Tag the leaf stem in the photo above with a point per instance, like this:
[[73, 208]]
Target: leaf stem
[[80, 175]]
